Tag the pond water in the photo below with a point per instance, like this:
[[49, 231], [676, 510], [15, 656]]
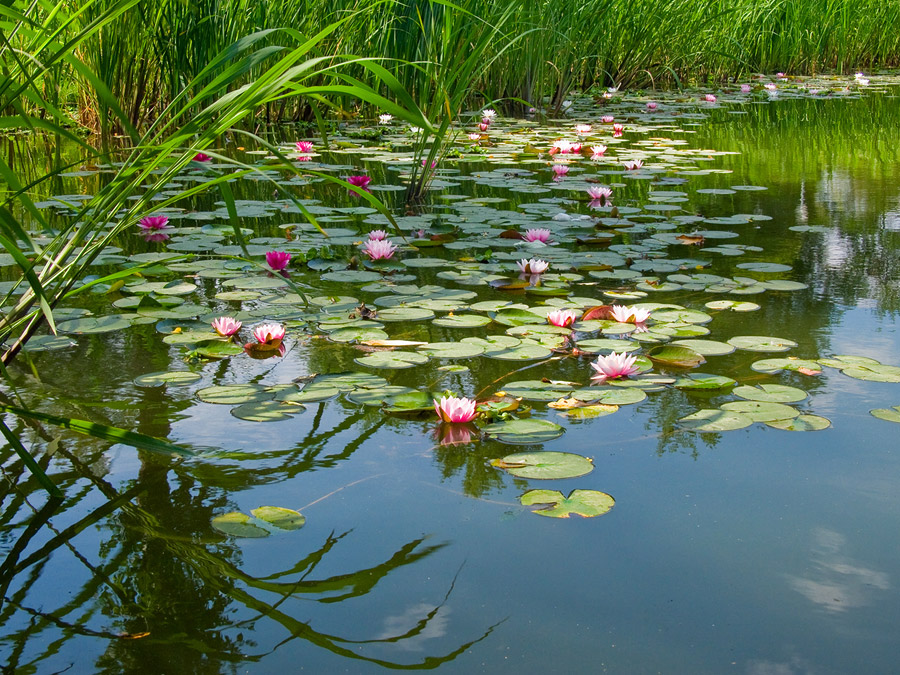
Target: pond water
[[752, 550]]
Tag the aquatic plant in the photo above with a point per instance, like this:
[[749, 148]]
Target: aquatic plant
[[562, 317], [453, 409], [226, 326], [613, 366], [278, 260]]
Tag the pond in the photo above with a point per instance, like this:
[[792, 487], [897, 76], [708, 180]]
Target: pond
[[762, 232]]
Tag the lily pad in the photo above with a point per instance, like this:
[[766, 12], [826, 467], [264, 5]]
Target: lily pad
[[709, 419], [392, 359], [585, 503], [234, 394], [238, 524], [94, 324], [701, 381], [524, 432], [777, 365], [452, 350], [545, 465], [282, 518], [462, 321], [762, 411], [173, 377], [681, 357], [760, 343], [887, 414], [774, 393], [706, 347], [801, 423], [265, 411]]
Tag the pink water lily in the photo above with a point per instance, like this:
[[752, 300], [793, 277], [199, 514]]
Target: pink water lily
[[633, 165], [561, 146], [269, 334], [377, 235], [304, 146], [537, 234], [745, 88], [582, 129], [597, 151], [710, 98], [576, 147], [562, 317], [624, 314], [618, 129], [651, 105], [771, 86], [226, 326], [607, 119], [360, 182], [277, 260], [475, 136], [484, 126], [200, 157], [153, 222], [379, 249], [433, 164], [599, 193], [453, 409], [559, 170], [533, 266], [614, 366]]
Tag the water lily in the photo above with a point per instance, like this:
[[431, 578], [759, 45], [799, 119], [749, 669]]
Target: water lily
[[862, 81], [360, 182], [597, 151], [624, 314], [537, 234], [475, 136], [269, 334], [489, 113], [607, 119], [415, 130], [559, 170], [618, 129], [582, 129], [200, 157], [304, 146], [277, 260], [453, 409], [745, 88], [433, 164], [226, 326], [533, 266], [771, 86], [561, 146], [614, 366], [484, 126], [600, 193], [377, 235], [608, 94], [562, 317], [710, 98], [633, 165], [153, 222], [385, 118], [780, 76], [576, 147], [379, 249], [651, 105]]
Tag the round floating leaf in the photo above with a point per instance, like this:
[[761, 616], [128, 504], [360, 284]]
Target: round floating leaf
[[173, 377], [524, 432], [47, 343], [681, 316], [404, 314], [845, 361], [887, 414], [351, 276], [523, 352], [357, 333], [544, 465], [733, 305], [715, 420], [764, 267], [537, 390], [761, 411], [681, 357], [238, 525], [309, 394], [774, 393], [760, 343], [610, 395], [452, 350], [392, 360], [705, 347], [585, 412], [265, 411], [234, 394], [92, 324], [873, 373], [217, 349], [348, 381], [277, 516], [462, 321], [801, 423], [784, 285], [704, 381], [777, 365], [585, 503], [607, 345]]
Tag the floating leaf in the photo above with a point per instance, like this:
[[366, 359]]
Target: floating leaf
[[733, 305], [801, 423], [525, 431], [452, 350], [775, 393], [874, 373], [91, 324], [887, 414], [173, 377], [591, 411], [585, 503], [282, 518], [777, 365], [238, 525], [705, 347], [759, 343], [233, 394], [704, 381], [462, 321], [681, 357], [544, 465], [265, 411], [715, 420], [392, 360], [762, 411]]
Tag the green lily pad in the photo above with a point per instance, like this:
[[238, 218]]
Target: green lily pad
[[392, 359], [308, 394], [702, 381], [764, 267], [537, 390], [524, 432], [681, 316], [522, 352], [94, 324], [774, 393], [585, 503], [357, 333], [762, 411], [282, 518], [777, 365], [47, 343], [351, 276], [234, 394], [783, 285], [238, 525], [173, 377], [706, 347], [607, 346], [708, 420], [873, 373], [462, 321], [610, 394], [405, 314], [681, 357], [759, 343], [544, 465], [265, 411], [733, 305], [887, 414], [801, 423], [452, 350]]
